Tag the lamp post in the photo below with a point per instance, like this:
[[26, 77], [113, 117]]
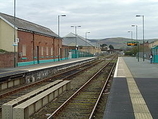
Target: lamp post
[[136, 39], [59, 34], [59, 23], [86, 34], [87, 41], [131, 34], [76, 36], [14, 43], [136, 29], [143, 31], [76, 44]]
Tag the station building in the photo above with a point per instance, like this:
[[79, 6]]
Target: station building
[[80, 46], [29, 42]]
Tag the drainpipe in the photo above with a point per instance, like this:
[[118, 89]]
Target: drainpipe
[[33, 47]]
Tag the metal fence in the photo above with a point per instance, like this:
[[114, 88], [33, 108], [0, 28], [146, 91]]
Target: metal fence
[[77, 54]]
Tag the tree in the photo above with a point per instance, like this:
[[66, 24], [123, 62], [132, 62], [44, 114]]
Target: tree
[[132, 51], [111, 47], [1, 50], [103, 47]]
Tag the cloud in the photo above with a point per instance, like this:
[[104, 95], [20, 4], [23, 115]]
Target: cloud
[[103, 18]]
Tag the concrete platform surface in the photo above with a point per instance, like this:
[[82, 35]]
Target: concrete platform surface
[[4, 72], [134, 91]]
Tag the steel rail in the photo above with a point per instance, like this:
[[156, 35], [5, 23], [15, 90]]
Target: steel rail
[[43, 80], [66, 77], [72, 96], [101, 93]]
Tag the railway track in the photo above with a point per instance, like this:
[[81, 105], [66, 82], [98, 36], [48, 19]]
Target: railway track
[[80, 102], [60, 75], [8, 95]]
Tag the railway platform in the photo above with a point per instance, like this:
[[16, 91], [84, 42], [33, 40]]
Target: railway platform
[[134, 91], [4, 72], [11, 77]]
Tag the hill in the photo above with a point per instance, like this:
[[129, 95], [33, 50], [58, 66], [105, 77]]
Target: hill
[[118, 43]]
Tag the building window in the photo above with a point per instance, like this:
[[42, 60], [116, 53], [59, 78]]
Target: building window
[[51, 50], [41, 50], [23, 50], [47, 51]]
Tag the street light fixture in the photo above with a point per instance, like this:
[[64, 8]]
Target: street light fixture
[[59, 23], [136, 39], [143, 31]]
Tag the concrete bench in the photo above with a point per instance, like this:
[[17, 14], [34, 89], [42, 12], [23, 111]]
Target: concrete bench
[[7, 108], [27, 108]]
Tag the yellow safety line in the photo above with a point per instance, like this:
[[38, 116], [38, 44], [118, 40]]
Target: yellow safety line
[[140, 107]]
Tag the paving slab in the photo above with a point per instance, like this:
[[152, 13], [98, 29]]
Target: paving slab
[[134, 91]]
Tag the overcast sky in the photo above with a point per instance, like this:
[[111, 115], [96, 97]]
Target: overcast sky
[[102, 18]]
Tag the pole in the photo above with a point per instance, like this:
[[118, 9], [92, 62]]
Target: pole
[[59, 35], [76, 36], [58, 25], [76, 47], [86, 41], [131, 35], [137, 40], [33, 43], [143, 31], [14, 34], [143, 36]]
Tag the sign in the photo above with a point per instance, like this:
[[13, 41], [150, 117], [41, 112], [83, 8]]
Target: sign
[[15, 44], [132, 43]]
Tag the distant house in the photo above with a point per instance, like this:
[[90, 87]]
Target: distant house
[[76, 42], [31, 42], [153, 43]]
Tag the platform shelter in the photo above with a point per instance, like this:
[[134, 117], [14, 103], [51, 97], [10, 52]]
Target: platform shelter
[[154, 51]]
